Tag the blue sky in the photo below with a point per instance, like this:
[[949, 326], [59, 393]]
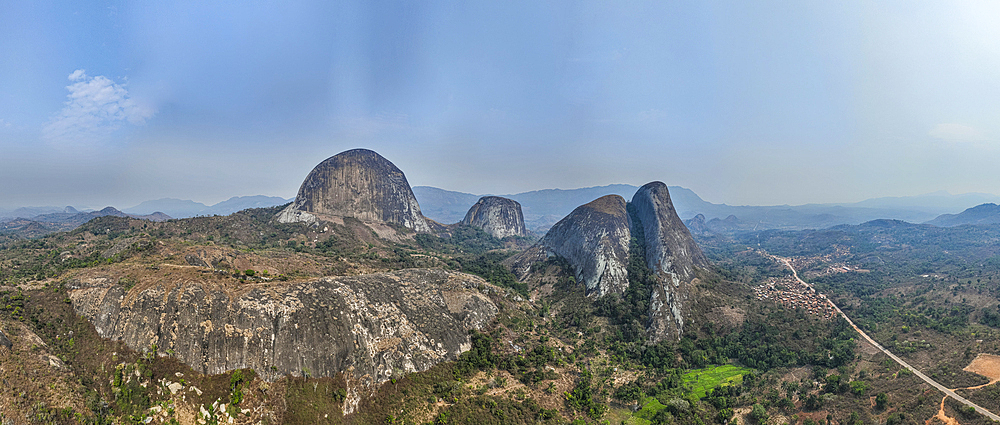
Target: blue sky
[[113, 103]]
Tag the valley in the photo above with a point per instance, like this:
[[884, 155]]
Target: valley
[[357, 309], [948, 392]]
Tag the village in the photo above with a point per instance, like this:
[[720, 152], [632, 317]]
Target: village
[[792, 293]]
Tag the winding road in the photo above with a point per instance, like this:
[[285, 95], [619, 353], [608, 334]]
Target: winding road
[[919, 374]]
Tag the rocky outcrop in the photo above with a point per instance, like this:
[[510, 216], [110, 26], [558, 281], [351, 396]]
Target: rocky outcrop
[[697, 225], [500, 217], [371, 327], [671, 254], [357, 183], [594, 238]]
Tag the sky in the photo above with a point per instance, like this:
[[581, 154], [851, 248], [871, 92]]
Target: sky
[[746, 103]]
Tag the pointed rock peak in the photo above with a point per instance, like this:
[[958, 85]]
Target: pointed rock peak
[[500, 217], [671, 254], [594, 238], [697, 225], [357, 183]]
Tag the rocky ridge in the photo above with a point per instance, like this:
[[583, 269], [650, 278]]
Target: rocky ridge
[[358, 183], [500, 217], [371, 327]]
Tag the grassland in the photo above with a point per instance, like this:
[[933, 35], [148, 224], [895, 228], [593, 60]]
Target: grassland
[[701, 381]]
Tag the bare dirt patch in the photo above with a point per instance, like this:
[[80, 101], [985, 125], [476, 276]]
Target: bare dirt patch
[[987, 365], [731, 317], [941, 417]]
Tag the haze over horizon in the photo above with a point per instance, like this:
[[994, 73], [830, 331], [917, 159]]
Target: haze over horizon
[[115, 103]]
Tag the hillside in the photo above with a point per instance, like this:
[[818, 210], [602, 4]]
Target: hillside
[[344, 308], [554, 342], [249, 250], [980, 214], [66, 220]]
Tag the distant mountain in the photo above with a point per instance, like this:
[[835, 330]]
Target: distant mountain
[[177, 208], [980, 214], [28, 212], [933, 203], [77, 218], [443, 206], [542, 208], [240, 203], [183, 208], [67, 220]]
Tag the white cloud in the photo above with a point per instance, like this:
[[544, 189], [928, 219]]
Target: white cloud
[[95, 107], [77, 75], [955, 133]]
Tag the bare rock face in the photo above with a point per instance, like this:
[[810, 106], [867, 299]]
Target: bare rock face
[[500, 217], [370, 327], [594, 238], [671, 254], [357, 183]]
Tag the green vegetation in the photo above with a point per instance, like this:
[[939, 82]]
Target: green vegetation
[[582, 399], [701, 381], [310, 400], [630, 311], [562, 357]]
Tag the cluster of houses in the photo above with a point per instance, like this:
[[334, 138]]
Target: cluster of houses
[[792, 294]]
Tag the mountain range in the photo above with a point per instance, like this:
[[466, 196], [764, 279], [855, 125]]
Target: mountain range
[[174, 208], [542, 208], [183, 208], [987, 213]]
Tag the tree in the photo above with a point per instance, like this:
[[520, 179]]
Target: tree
[[759, 414], [858, 388], [881, 401]]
